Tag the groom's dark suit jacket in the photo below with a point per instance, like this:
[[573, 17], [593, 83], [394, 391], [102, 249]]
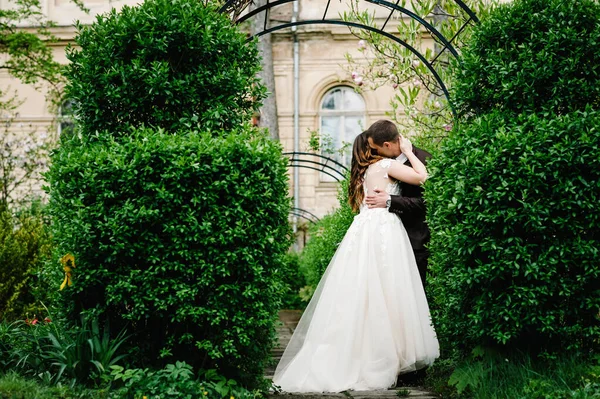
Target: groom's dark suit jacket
[[410, 206]]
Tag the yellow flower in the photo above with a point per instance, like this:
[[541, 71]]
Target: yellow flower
[[144, 397], [68, 262], [231, 397], [204, 393]]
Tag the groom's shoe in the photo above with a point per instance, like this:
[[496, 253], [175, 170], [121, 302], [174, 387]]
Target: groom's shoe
[[411, 379]]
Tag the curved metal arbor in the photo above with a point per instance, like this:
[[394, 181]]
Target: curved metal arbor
[[237, 8], [318, 162], [240, 12]]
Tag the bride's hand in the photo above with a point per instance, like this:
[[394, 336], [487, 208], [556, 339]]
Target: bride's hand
[[405, 145]]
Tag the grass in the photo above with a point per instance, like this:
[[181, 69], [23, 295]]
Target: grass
[[13, 386], [517, 377]]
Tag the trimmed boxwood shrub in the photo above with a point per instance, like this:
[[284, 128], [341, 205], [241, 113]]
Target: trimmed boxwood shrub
[[179, 238], [165, 63], [531, 55], [513, 192], [516, 232]]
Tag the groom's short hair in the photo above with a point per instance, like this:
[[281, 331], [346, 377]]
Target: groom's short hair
[[381, 131]]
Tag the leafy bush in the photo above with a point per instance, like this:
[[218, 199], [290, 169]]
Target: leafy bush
[[325, 236], [513, 190], [489, 375], [293, 280], [24, 245], [531, 55], [57, 353], [515, 232], [179, 238], [175, 381], [165, 63]]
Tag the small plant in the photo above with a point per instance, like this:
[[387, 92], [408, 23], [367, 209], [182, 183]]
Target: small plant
[[401, 393], [84, 355], [175, 381], [57, 354]]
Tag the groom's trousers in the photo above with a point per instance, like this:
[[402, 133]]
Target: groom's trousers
[[422, 256]]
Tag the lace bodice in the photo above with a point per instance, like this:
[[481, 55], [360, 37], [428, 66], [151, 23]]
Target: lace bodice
[[376, 177]]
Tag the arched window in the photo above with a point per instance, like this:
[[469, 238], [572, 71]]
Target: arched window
[[342, 115], [66, 126]]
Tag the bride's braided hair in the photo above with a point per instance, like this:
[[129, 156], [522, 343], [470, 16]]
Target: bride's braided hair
[[362, 157]]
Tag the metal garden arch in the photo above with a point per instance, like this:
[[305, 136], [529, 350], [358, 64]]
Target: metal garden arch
[[240, 12]]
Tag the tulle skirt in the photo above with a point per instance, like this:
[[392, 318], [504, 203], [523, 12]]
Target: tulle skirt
[[368, 320]]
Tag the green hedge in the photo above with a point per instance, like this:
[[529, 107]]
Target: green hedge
[[179, 238], [165, 63], [516, 232], [531, 55], [513, 191]]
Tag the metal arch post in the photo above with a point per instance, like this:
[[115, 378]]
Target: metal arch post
[[451, 40], [466, 9], [419, 19], [326, 9], [370, 28]]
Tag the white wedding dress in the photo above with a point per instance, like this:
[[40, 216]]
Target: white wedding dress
[[368, 320]]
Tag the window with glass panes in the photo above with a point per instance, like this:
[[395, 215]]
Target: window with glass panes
[[342, 115], [66, 125]]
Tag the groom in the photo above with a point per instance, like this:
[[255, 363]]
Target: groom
[[383, 136]]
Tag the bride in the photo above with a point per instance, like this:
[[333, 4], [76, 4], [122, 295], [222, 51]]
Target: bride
[[368, 320]]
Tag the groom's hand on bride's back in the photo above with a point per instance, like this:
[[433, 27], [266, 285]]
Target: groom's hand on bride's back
[[378, 199]]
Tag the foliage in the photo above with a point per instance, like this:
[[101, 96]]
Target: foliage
[[27, 55], [511, 197], [177, 237], [24, 245], [325, 236], [23, 154], [491, 375], [57, 353], [165, 63], [12, 385], [419, 105], [514, 232], [175, 381], [530, 56], [293, 280], [85, 356]]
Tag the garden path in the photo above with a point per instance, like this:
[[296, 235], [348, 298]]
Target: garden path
[[288, 322]]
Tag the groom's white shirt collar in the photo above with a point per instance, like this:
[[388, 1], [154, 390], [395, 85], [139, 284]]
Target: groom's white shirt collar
[[402, 158]]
